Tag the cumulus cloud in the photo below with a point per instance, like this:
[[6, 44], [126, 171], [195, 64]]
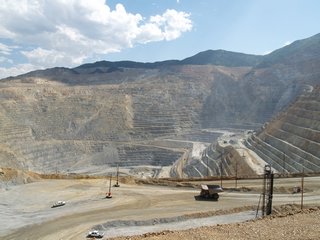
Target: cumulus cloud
[[66, 32], [168, 26], [17, 70], [47, 58], [5, 49]]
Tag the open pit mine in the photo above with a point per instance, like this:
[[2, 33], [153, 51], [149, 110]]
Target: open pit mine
[[159, 131]]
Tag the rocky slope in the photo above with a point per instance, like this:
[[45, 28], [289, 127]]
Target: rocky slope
[[97, 116], [291, 141], [268, 87]]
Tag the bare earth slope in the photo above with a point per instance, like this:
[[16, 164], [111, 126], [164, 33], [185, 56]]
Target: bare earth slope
[[302, 225]]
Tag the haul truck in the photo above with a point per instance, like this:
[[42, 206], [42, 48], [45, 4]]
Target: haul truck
[[210, 192]]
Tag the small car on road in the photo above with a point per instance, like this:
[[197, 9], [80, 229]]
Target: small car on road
[[95, 234]]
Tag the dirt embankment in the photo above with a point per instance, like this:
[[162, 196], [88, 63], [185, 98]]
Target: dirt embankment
[[287, 222], [10, 176]]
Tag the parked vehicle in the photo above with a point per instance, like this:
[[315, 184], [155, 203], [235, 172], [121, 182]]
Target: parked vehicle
[[58, 204], [95, 234]]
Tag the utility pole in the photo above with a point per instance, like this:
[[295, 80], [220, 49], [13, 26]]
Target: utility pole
[[284, 163], [221, 171], [117, 183], [236, 184], [207, 164], [263, 208], [302, 185]]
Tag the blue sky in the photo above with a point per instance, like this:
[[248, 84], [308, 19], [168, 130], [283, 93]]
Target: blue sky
[[37, 34]]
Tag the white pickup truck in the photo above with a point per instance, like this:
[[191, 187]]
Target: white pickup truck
[[95, 234]]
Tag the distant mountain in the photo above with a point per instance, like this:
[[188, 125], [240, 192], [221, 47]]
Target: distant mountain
[[126, 64], [268, 88], [223, 58], [212, 57], [209, 57], [299, 51]]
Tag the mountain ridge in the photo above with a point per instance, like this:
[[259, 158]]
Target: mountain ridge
[[208, 57], [307, 48]]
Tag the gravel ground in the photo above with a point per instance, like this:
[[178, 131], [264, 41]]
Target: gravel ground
[[289, 224], [136, 206]]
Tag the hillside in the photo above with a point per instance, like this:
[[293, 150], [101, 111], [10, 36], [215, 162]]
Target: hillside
[[306, 50], [149, 118], [223, 58], [268, 87]]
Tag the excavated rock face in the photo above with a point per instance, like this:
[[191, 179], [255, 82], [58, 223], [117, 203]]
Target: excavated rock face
[[49, 125], [291, 141], [98, 115]]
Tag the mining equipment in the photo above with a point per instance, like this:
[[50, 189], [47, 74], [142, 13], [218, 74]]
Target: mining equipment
[[58, 204], [108, 194], [209, 192]]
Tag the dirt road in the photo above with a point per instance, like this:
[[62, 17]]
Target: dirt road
[[26, 211]]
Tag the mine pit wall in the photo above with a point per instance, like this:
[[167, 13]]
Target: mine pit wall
[[290, 143], [234, 163], [177, 168]]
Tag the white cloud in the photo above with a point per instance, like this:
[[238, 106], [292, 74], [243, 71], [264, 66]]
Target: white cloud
[[4, 49], [168, 26], [66, 32], [47, 58], [17, 70], [172, 23]]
